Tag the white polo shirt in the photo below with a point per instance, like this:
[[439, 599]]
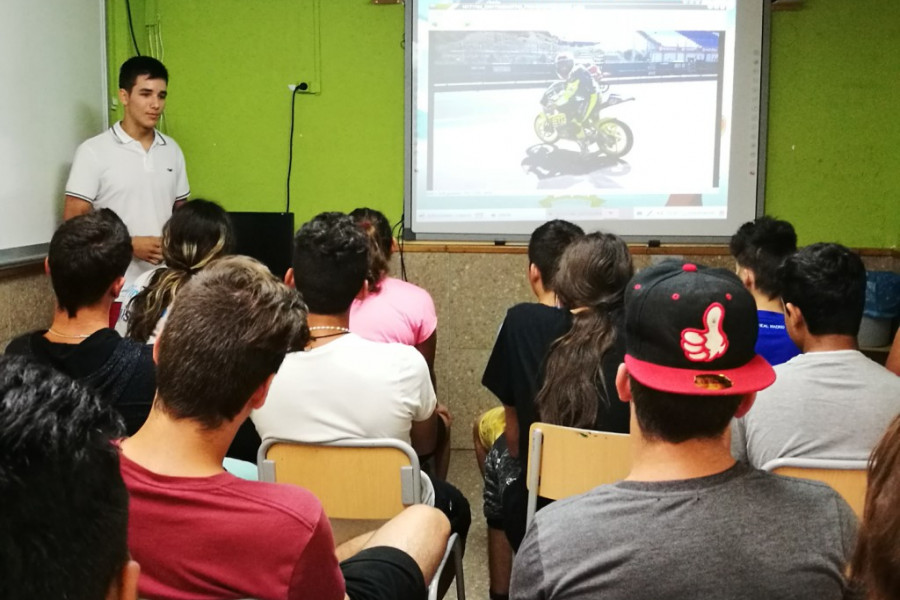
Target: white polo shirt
[[112, 170]]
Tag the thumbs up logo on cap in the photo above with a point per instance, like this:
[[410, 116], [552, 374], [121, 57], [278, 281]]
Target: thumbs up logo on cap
[[709, 343]]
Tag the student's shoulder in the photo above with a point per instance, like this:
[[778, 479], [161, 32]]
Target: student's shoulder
[[21, 345], [535, 313], [290, 504]]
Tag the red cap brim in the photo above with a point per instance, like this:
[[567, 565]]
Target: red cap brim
[[754, 376]]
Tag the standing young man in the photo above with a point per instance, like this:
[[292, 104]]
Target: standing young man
[[132, 168]]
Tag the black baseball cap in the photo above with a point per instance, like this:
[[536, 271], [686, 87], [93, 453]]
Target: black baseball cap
[[692, 330]]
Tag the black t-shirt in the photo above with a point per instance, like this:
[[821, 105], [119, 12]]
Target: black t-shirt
[[120, 370], [514, 372]]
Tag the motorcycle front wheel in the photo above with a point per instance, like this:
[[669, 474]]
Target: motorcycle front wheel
[[614, 138], [545, 130]]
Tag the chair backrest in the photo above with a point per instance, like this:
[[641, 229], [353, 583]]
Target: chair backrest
[[564, 461], [353, 479], [847, 477]]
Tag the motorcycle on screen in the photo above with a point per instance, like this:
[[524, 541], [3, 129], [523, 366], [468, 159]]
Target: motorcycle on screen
[[612, 137]]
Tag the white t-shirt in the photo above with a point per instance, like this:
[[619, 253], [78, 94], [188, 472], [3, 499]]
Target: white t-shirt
[[833, 405], [350, 388], [112, 170]]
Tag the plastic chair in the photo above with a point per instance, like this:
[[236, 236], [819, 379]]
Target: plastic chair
[[846, 477], [564, 461], [385, 479]]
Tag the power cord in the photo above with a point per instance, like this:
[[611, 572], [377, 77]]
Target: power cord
[[131, 28], [398, 227], [287, 206]]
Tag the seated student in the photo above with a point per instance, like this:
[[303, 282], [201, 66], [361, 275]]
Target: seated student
[[196, 233], [393, 310], [513, 375], [87, 261], [343, 386], [877, 555], [759, 247], [689, 521], [831, 401], [64, 522], [200, 532]]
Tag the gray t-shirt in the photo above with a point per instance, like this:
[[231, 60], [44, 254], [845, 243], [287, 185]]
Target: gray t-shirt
[[833, 405], [739, 534]]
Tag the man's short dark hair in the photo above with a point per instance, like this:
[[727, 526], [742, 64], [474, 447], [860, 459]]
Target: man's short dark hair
[[761, 246], [546, 247], [87, 254], [330, 262], [136, 66], [676, 418], [64, 521], [827, 282], [227, 331]]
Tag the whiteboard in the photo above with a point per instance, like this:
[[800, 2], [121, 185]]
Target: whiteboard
[[53, 69]]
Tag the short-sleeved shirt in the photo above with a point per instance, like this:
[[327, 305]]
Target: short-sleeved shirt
[[112, 170], [735, 535], [398, 312], [773, 342], [831, 405], [514, 372], [349, 388], [224, 537]]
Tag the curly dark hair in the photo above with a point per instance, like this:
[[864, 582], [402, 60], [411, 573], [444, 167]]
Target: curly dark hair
[[330, 262]]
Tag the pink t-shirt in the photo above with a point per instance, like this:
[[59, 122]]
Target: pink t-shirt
[[399, 312], [223, 537]]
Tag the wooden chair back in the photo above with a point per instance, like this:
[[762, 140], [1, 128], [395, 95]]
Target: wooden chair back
[[847, 477], [564, 461]]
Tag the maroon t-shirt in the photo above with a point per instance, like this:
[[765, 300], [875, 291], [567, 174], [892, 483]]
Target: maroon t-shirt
[[223, 537]]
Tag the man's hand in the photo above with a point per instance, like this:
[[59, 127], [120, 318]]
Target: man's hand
[[148, 248]]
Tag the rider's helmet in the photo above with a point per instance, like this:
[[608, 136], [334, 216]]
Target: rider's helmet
[[565, 62]]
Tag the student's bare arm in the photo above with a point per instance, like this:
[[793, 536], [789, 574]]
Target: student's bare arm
[[75, 207], [423, 435], [428, 349], [512, 430], [893, 359]]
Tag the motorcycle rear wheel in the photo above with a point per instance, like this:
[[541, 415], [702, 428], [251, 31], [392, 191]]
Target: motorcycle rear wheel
[[545, 130], [614, 138]]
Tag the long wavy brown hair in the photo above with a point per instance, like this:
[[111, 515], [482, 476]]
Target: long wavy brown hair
[[378, 230], [197, 233], [591, 280], [876, 562]]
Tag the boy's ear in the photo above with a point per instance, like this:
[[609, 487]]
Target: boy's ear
[[623, 384], [363, 291], [289, 277], [116, 288], [745, 405], [47, 265], [534, 274], [125, 586]]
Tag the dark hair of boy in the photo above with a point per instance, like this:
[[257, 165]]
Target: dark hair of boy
[[87, 254], [330, 262], [378, 229], [136, 66], [197, 233], [64, 522], [547, 244], [827, 282], [761, 246], [676, 418], [238, 316]]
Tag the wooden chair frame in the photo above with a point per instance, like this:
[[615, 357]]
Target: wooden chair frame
[[363, 481], [846, 477], [564, 461]]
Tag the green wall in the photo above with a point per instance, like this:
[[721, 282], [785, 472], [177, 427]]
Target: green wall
[[834, 138]]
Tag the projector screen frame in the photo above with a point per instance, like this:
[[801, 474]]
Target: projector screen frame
[[409, 230]]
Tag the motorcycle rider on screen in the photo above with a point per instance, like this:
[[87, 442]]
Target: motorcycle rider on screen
[[579, 98]]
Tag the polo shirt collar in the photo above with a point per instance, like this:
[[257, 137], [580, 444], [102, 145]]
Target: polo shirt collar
[[124, 138]]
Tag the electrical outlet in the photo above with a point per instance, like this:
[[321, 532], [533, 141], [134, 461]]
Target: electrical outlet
[[304, 87]]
